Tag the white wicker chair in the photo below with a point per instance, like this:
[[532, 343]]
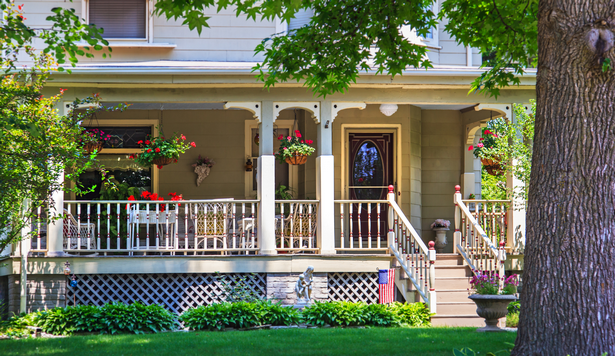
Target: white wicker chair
[[76, 234]]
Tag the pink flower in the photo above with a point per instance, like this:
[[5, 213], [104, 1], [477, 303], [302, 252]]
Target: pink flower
[[298, 134], [280, 137], [285, 148], [289, 138], [183, 137], [192, 144], [470, 148], [480, 145]]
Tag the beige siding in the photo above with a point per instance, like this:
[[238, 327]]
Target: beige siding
[[415, 168], [229, 37], [441, 168]]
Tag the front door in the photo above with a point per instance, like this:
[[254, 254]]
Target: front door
[[371, 163]]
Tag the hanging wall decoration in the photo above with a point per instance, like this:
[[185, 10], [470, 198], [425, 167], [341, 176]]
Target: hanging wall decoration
[[202, 167]]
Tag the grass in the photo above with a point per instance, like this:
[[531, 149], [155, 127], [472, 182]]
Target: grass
[[332, 341]]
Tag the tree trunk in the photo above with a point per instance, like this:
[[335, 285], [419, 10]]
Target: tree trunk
[[568, 296]]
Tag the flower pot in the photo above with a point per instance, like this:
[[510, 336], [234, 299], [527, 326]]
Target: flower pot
[[493, 166], [491, 308], [441, 241], [93, 146], [297, 159], [162, 161]]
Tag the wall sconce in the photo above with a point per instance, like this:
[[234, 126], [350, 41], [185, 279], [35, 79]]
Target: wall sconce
[[249, 165], [67, 268]]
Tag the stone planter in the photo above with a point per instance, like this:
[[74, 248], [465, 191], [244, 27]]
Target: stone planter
[[491, 308], [441, 241]]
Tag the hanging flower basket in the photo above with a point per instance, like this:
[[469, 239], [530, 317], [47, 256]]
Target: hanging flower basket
[[93, 146], [160, 151], [296, 159], [162, 161], [294, 150], [492, 166]]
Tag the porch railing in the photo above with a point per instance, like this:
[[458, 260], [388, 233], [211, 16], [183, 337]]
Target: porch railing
[[416, 259], [480, 233], [362, 225], [296, 225], [140, 227]]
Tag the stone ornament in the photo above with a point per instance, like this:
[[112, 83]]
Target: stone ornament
[[303, 288], [202, 171]]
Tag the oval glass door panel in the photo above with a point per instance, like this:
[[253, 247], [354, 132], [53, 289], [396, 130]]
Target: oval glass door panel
[[368, 171]]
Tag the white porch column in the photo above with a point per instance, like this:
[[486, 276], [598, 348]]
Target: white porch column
[[266, 181], [55, 246], [325, 178]]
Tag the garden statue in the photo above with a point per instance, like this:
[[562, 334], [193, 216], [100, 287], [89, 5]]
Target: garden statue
[[303, 288]]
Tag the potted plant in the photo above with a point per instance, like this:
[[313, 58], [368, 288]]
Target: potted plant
[[485, 151], [440, 226], [294, 150], [202, 167], [147, 196], [491, 301], [94, 140], [160, 151]]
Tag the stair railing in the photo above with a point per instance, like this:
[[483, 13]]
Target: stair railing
[[473, 244], [417, 261]]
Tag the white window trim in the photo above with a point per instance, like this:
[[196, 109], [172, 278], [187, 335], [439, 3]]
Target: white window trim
[[293, 170], [149, 23]]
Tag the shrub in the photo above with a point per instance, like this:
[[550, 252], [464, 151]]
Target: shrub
[[335, 314], [514, 307], [222, 315], [413, 314], [512, 320], [110, 318], [381, 315], [276, 314]]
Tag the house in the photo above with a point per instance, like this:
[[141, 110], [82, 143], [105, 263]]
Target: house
[[389, 154]]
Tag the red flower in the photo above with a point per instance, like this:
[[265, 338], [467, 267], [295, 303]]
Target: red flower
[[20, 6], [192, 144], [131, 156], [147, 142], [145, 194], [157, 149], [281, 137], [132, 197], [61, 90], [298, 134], [149, 150], [470, 148], [161, 198], [140, 142], [302, 141], [172, 194], [481, 139], [159, 167], [183, 137], [487, 132], [360, 180], [309, 142], [175, 161]]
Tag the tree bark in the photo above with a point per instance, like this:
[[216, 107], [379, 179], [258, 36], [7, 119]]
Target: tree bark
[[568, 296]]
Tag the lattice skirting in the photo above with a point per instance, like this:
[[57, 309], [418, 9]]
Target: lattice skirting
[[177, 292], [354, 287]]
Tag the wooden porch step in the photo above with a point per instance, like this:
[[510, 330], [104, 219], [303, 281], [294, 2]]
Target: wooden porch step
[[453, 271], [448, 259], [452, 283], [456, 308], [452, 296]]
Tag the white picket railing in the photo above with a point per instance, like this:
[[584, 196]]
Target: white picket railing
[[479, 249], [416, 259], [185, 227], [362, 225], [296, 224]]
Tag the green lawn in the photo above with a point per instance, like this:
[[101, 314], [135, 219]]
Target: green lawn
[[333, 341]]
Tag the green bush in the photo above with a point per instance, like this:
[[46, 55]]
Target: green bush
[[277, 314], [514, 307], [110, 318], [512, 320], [413, 314]]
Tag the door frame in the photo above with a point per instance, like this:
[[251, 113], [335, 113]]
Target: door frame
[[395, 129]]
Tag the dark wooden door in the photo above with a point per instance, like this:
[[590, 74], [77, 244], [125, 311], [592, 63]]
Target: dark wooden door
[[371, 171]]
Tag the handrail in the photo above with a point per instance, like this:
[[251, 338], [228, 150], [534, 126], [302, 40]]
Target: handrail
[[473, 244], [416, 259]]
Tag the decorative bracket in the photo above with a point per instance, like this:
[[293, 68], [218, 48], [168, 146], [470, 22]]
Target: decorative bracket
[[336, 107], [252, 106], [311, 106]]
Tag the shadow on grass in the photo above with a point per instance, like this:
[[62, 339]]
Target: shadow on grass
[[331, 341]]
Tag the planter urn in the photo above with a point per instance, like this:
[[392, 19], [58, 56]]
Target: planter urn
[[491, 308], [441, 241]]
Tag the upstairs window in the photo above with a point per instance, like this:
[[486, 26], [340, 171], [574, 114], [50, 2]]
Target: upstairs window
[[119, 18]]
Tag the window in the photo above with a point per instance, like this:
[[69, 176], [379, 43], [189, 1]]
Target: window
[[115, 158], [122, 19]]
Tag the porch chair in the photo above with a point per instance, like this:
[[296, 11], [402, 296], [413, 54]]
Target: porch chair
[[74, 230], [299, 225], [212, 224]]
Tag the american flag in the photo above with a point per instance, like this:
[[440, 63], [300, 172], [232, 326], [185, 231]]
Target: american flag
[[386, 285]]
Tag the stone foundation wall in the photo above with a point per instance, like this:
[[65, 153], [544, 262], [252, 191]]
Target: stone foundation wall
[[281, 286], [43, 292]]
